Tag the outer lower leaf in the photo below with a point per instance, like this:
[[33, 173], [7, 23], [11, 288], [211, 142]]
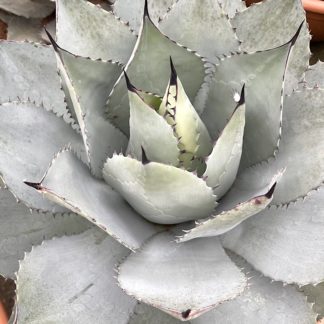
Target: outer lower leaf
[[28, 8], [161, 193], [263, 74], [149, 131], [132, 11], [224, 160], [314, 76], [20, 230], [301, 149], [184, 280], [88, 83], [315, 294], [202, 26], [290, 243], [262, 302], [232, 7], [71, 280], [30, 136], [85, 29], [69, 183], [260, 31], [149, 66], [229, 219], [29, 72]]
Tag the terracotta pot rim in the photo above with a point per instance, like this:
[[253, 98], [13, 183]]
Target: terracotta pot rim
[[316, 6]]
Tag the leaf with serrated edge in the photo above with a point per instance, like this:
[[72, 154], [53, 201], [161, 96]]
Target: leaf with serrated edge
[[85, 29], [230, 217], [69, 183], [82, 288], [315, 295], [314, 76], [177, 109], [131, 11], [232, 7], [39, 135], [260, 31], [213, 34], [264, 97], [88, 83], [29, 72], [161, 193], [301, 149], [29, 8], [224, 160], [149, 131], [263, 301], [149, 66], [185, 280], [20, 230], [290, 242]]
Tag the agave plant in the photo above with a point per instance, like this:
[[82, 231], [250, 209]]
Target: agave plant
[[189, 147]]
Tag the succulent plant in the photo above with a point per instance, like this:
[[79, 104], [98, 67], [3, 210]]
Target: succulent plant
[[188, 139]]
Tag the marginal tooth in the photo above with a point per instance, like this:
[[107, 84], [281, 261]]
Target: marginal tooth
[[173, 91]]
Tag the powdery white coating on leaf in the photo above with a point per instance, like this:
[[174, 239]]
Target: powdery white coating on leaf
[[213, 34], [29, 72], [71, 280], [132, 11], [262, 302], [285, 244], [301, 149], [28, 8], [69, 182], [149, 131], [263, 74], [149, 67], [224, 160], [184, 280], [20, 230], [259, 30], [26, 151], [89, 83], [160, 193], [85, 29]]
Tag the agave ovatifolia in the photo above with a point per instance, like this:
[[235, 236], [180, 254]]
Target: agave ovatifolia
[[172, 165]]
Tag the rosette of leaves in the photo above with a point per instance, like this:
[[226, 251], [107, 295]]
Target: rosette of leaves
[[182, 144]]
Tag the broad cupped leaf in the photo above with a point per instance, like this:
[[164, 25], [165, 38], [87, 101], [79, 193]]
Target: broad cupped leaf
[[184, 280], [69, 183], [80, 289], [161, 193]]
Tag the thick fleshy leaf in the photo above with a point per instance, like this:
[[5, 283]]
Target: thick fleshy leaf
[[263, 301], [284, 243], [29, 8], [315, 294], [30, 136], [21, 229], [69, 183], [224, 160], [161, 193], [89, 83], [300, 152], [29, 72], [263, 74], [149, 67], [185, 280], [231, 7], [176, 108], [202, 26], [260, 31], [131, 11], [85, 29], [71, 280], [314, 76], [145, 314], [149, 131], [229, 219]]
